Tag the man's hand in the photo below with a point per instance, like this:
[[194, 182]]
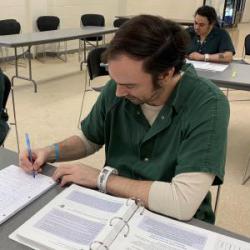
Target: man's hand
[[39, 158], [77, 173], [196, 56]]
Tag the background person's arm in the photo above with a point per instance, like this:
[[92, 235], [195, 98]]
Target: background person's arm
[[225, 57]]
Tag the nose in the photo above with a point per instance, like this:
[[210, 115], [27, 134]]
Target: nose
[[121, 91]]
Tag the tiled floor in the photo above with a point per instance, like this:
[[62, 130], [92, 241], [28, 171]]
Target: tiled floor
[[52, 113]]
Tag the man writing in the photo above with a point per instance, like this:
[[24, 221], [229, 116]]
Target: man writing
[[164, 128], [209, 42]]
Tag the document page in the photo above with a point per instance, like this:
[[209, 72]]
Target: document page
[[72, 220], [208, 65], [18, 189], [150, 231]]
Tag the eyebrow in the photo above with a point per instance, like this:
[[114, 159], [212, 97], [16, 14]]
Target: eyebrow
[[126, 84]]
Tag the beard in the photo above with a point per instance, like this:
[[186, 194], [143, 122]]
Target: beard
[[148, 100]]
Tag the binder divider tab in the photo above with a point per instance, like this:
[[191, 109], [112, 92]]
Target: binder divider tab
[[124, 221], [97, 242], [138, 202]]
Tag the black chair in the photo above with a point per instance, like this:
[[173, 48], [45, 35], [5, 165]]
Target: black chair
[[95, 71], [246, 50], [5, 86], [47, 23], [9, 27], [120, 21], [90, 20]]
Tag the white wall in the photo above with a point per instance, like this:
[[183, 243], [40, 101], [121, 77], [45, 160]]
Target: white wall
[[14, 9], [166, 8], [70, 11], [246, 14]]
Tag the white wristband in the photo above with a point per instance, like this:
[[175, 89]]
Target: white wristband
[[103, 178], [206, 58]]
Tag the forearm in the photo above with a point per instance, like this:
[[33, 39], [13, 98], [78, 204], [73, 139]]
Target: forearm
[[72, 148], [225, 57], [179, 199], [128, 188]]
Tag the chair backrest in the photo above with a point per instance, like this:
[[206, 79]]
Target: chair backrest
[[46, 23], [247, 45], [119, 21], [5, 86], [9, 27], [93, 63], [93, 20]]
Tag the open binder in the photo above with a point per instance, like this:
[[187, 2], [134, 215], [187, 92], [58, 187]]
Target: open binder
[[80, 218]]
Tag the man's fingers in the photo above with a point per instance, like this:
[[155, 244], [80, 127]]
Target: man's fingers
[[61, 171], [66, 179]]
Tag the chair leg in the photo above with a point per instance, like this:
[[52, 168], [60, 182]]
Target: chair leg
[[84, 51], [14, 114], [83, 97], [245, 176], [217, 200], [65, 51], [79, 51]]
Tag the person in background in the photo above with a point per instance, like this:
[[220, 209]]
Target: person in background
[[209, 42], [164, 128]]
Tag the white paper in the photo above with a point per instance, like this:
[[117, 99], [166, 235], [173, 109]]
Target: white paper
[[208, 65], [18, 189], [72, 220], [150, 231]]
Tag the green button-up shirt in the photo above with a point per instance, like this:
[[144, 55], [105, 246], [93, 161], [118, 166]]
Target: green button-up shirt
[[188, 135], [217, 41]]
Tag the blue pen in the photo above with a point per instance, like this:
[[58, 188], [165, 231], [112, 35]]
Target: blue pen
[[27, 139]]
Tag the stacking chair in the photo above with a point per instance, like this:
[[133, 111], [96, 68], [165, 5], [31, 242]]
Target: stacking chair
[[119, 21], [47, 23], [5, 86], [8, 27], [90, 20], [246, 50], [96, 72]]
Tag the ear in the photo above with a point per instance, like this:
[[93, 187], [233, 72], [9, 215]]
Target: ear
[[167, 74]]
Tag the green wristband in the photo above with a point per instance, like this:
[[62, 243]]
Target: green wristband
[[56, 146]]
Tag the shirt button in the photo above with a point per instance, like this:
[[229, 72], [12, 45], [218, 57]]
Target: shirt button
[[162, 117], [146, 159]]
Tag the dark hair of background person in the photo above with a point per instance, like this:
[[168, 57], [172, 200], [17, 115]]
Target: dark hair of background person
[[208, 12], [161, 43]]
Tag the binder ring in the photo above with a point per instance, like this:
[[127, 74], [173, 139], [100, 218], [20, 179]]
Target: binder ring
[[125, 224], [97, 242]]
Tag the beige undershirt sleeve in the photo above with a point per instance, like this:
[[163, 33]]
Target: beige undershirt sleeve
[[90, 147], [182, 197]]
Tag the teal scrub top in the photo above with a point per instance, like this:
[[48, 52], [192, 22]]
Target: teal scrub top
[[217, 41]]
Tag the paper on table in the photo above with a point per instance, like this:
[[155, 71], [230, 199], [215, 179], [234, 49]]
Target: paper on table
[[208, 66], [152, 231], [18, 189]]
